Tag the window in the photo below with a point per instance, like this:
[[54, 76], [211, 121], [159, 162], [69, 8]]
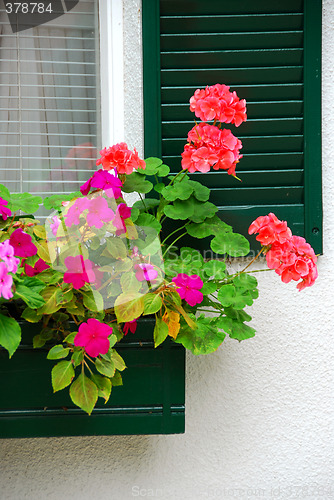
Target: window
[[269, 52], [50, 102]]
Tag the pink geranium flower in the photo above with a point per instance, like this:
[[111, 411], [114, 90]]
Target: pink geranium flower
[[123, 212], [39, 266], [188, 288], [55, 224], [72, 215], [99, 212], [145, 272], [93, 336], [7, 255], [6, 282], [4, 211], [102, 179], [22, 243], [121, 158], [79, 271], [130, 326]]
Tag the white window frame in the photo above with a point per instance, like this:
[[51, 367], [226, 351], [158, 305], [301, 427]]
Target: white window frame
[[111, 71]]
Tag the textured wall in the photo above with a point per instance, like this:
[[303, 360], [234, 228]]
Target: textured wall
[[260, 414]]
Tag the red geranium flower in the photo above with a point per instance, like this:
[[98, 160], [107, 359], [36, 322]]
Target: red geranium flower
[[121, 158]]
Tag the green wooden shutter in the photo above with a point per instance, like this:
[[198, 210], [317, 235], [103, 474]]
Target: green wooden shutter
[[269, 52]]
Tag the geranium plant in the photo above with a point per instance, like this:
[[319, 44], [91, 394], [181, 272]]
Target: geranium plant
[[97, 265]]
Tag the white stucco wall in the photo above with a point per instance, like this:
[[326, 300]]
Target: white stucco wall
[[260, 414]]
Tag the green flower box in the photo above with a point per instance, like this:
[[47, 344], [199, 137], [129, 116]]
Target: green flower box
[[151, 400]]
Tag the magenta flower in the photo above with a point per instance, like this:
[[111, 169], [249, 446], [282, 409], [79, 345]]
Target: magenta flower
[[93, 336], [22, 243], [39, 266], [7, 255], [4, 211], [145, 272], [123, 212], [130, 325], [79, 271], [6, 282], [99, 212], [54, 226], [102, 179], [188, 288], [73, 214]]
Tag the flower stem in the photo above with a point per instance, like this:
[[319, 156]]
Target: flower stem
[[178, 238], [176, 230], [251, 262]]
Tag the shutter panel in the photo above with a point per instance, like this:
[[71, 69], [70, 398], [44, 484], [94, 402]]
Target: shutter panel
[[49, 102], [269, 52]]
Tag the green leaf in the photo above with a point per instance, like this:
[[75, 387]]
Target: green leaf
[[55, 201], [105, 366], [93, 301], [148, 220], [233, 244], [160, 332], [103, 385], [10, 334], [202, 193], [116, 248], [84, 393], [245, 281], [77, 357], [70, 338], [202, 210], [75, 307], [215, 269], [231, 296], [58, 352], [152, 303], [26, 202], [129, 283], [38, 341], [178, 191], [209, 227], [118, 361], [33, 283], [53, 297], [62, 375], [31, 315], [31, 298], [136, 182], [208, 288], [204, 340], [236, 329], [117, 379], [128, 306], [152, 166], [180, 210], [149, 204], [163, 170], [240, 315], [4, 192]]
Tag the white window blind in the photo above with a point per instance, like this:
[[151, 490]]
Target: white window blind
[[49, 102]]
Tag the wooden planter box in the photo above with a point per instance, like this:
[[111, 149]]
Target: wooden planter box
[[151, 401]]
